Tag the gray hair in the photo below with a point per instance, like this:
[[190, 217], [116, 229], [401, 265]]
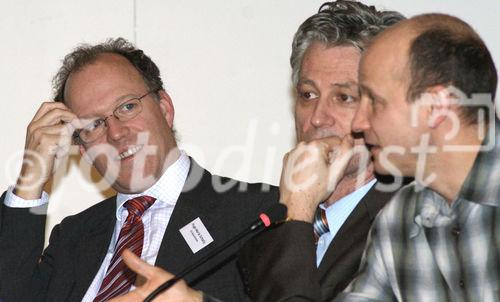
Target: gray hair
[[86, 54], [340, 22]]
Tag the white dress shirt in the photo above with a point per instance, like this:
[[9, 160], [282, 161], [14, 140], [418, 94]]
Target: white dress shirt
[[166, 191]]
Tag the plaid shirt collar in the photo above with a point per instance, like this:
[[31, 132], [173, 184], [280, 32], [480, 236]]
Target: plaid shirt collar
[[482, 184], [481, 187]]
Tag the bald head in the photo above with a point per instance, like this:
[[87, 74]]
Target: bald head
[[438, 49], [455, 26]]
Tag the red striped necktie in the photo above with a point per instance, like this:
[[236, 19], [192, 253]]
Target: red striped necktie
[[119, 277]]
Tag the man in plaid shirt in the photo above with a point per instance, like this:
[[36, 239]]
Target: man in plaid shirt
[[428, 86]]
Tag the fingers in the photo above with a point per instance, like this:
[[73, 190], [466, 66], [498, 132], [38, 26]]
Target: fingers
[[155, 277], [326, 145], [133, 296], [137, 264], [331, 142], [48, 106], [48, 137], [311, 172], [51, 128], [338, 161], [50, 120], [52, 117], [59, 129], [341, 151], [347, 141], [143, 268]]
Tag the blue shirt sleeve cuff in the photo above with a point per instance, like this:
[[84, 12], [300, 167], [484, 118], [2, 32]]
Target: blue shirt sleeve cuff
[[13, 201]]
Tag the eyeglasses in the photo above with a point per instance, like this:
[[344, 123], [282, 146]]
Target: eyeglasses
[[97, 127]]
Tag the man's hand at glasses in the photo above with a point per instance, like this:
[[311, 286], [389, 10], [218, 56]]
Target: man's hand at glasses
[[48, 138]]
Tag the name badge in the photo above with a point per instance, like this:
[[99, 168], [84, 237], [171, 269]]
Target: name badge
[[196, 235]]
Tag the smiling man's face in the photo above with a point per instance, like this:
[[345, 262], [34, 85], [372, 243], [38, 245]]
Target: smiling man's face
[[95, 91]]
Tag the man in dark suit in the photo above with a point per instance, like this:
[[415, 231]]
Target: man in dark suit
[[288, 263], [111, 103]]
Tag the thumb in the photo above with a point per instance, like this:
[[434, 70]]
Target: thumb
[[338, 161], [347, 141], [342, 153], [331, 142], [137, 264]]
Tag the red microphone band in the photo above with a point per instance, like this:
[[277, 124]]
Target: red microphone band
[[265, 219]]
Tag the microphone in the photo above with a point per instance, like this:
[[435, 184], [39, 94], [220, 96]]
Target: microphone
[[273, 214]]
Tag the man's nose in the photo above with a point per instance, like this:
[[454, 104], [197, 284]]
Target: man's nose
[[322, 116], [116, 129], [360, 121]]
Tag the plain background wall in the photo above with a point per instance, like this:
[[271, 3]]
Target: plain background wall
[[225, 65]]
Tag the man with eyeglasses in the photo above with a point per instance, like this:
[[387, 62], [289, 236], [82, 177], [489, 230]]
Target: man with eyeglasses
[[111, 103]]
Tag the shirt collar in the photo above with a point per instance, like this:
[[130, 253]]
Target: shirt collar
[[342, 208], [166, 190], [481, 185]]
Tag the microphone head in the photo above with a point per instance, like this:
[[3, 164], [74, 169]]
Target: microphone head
[[276, 212]]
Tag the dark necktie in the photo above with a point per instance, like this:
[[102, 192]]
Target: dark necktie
[[119, 277], [320, 224]]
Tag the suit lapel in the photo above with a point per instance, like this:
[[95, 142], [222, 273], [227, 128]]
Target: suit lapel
[[198, 199], [93, 246], [358, 222]]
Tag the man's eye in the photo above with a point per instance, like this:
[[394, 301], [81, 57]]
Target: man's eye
[[308, 95], [345, 98], [128, 107]]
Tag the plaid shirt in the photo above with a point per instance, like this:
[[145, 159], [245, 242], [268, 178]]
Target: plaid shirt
[[422, 249]]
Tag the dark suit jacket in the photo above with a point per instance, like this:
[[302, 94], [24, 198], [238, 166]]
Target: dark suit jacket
[[280, 264], [78, 245]]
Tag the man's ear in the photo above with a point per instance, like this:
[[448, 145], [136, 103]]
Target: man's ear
[[442, 103], [167, 107]]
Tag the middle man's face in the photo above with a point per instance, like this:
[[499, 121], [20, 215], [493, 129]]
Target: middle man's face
[[327, 94]]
